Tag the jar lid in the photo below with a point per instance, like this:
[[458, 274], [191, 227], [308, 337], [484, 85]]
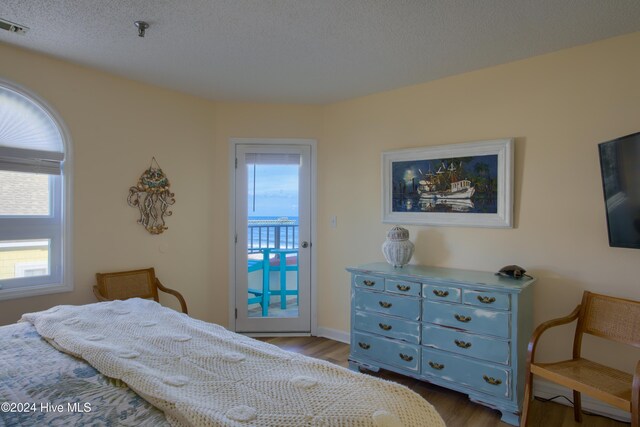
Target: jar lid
[[398, 233]]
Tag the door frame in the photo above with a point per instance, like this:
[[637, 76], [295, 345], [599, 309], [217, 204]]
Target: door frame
[[233, 143]]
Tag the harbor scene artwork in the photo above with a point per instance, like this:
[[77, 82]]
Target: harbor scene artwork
[[468, 184], [455, 184]]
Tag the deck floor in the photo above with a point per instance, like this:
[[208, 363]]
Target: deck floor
[[255, 310]]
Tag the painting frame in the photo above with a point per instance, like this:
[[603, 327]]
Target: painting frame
[[502, 218]]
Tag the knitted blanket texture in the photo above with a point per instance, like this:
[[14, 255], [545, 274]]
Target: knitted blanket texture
[[201, 374]]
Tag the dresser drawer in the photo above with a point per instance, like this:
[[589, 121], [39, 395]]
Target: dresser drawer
[[395, 353], [388, 326], [395, 305], [369, 282], [481, 376], [477, 346], [495, 300], [441, 293], [488, 322], [403, 287]]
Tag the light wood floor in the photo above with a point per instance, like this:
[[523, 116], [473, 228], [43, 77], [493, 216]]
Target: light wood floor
[[455, 408]]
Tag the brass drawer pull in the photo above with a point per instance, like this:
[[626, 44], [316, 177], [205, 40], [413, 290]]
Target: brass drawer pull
[[461, 318], [403, 288], [385, 304], [492, 380], [368, 283], [486, 300], [437, 366], [384, 327], [439, 293], [364, 345], [462, 344], [406, 357]]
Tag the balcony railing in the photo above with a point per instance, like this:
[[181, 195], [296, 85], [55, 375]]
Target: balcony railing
[[274, 233]]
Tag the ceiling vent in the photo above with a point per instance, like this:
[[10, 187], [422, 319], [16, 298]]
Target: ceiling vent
[[12, 27]]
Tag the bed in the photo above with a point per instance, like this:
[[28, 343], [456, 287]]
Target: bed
[[137, 363]]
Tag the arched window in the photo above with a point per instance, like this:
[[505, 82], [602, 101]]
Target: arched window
[[35, 197]]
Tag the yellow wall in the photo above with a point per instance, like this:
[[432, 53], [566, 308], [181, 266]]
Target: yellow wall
[[558, 106], [9, 259], [117, 125], [244, 120]]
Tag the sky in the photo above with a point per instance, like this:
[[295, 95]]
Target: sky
[[276, 189]]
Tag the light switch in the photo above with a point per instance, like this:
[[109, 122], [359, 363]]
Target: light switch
[[334, 222]]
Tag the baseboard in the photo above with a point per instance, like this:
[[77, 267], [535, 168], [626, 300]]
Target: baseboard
[[545, 390], [275, 334], [334, 334]]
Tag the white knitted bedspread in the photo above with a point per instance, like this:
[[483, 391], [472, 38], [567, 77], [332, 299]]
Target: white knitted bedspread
[[201, 374]]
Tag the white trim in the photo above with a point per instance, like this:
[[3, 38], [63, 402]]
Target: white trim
[[231, 268], [276, 334], [545, 390], [302, 321], [32, 291], [335, 334], [314, 237], [66, 278], [233, 142]]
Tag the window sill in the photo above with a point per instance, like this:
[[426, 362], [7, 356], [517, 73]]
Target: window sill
[[31, 291]]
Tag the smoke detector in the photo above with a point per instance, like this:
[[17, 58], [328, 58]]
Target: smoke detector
[[12, 27]]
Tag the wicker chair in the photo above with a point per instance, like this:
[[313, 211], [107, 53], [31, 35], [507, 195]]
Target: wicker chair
[[132, 284], [611, 318]]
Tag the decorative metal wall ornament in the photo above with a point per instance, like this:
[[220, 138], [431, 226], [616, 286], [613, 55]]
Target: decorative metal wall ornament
[[152, 197]]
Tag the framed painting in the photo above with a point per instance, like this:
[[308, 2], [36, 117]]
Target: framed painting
[[468, 184]]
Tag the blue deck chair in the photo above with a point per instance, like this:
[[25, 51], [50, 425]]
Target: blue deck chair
[[280, 263]]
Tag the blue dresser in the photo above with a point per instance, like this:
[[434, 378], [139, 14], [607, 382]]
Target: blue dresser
[[464, 330]]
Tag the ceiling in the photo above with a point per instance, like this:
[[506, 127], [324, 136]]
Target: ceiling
[[307, 51]]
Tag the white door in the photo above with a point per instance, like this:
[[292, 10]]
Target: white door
[[273, 246]]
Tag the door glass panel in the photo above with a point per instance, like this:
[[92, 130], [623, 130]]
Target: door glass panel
[[272, 234], [24, 193], [24, 258]]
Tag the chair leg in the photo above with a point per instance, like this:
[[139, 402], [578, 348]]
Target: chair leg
[[577, 406], [266, 291], [524, 418], [635, 398], [283, 281]]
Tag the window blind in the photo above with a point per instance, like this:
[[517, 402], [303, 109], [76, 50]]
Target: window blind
[[272, 159], [29, 138]]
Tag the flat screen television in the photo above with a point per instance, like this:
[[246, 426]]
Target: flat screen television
[[620, 168]]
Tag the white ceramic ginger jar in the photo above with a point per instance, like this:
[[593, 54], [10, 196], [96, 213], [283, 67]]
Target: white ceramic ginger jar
[[397, 249]]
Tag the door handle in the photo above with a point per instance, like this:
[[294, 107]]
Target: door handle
[[305, 244]]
